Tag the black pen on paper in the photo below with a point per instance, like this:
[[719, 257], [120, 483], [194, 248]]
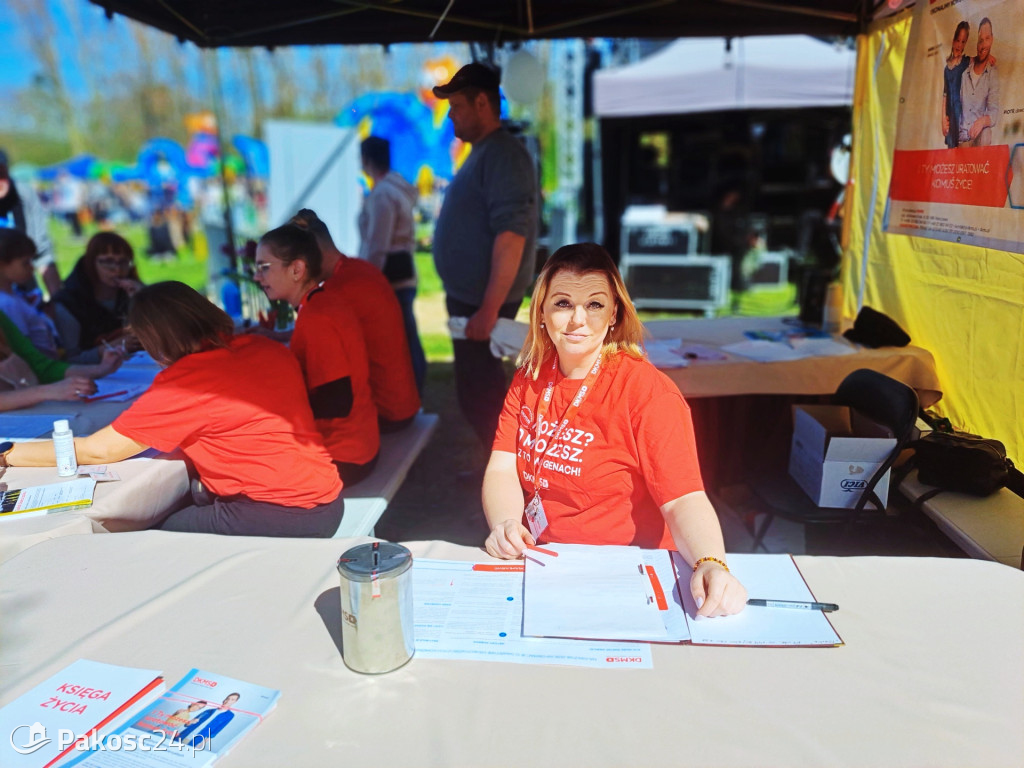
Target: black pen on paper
[[806, 605]]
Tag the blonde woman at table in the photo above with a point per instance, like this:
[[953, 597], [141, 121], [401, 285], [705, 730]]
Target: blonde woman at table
[[236, 406], [594, 444]]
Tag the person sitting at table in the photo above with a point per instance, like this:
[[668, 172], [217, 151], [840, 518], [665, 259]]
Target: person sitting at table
[[594, 441], [23, 367], [361, 287], [328, 343], [17, 256], [90, 309], [237, 408]]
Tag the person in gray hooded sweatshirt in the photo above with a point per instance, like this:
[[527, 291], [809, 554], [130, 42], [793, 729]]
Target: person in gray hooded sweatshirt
[[388, 239]]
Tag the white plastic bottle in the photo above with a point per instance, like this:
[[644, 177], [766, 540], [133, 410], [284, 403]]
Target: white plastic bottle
[[64, 447]]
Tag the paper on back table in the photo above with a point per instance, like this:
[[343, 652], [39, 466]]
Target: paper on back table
[[597, 592], [140, 359], [664, 353], [124, 384]]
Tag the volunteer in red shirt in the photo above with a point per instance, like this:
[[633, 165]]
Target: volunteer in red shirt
[[236, 406], [594, 444], [329, 345], [366, 292]]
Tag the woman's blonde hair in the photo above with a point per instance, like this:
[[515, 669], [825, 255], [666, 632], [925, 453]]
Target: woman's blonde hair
[[626, 333]]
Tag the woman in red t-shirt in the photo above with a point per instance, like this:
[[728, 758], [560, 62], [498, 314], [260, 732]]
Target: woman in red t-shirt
[[594, 444], [329, 345], [236, 406]]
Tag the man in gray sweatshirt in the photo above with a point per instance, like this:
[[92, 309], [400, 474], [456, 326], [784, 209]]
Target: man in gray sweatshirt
[[485, 239]]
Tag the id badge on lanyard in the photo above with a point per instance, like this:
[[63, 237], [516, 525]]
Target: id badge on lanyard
[[536, 518]]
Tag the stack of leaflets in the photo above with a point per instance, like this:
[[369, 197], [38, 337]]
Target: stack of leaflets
[[200, 719], [81, 702], [93, 714]]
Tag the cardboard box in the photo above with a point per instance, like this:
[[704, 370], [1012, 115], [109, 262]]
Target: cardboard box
[[835, 452]]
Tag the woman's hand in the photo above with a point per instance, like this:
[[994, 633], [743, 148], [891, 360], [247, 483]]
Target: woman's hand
[[508, 539], [502, 498], [71, 388], [128, 343], [129, 286], [716, 591], [110, 362]]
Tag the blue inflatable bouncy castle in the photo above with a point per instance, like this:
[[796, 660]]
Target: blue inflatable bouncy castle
[[418, 139]]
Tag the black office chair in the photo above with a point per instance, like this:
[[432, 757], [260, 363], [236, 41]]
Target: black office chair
[[882, 399]]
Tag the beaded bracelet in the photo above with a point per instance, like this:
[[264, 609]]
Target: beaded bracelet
[[697, 564]]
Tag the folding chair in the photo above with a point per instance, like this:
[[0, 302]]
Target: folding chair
[[882, 399]]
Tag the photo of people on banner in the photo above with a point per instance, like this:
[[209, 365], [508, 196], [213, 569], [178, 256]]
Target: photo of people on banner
[[958, 165]]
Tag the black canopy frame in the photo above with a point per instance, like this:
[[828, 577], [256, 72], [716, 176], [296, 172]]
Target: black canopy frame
[[271, 23]]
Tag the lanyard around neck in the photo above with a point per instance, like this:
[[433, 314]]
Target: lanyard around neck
[[537, 453]]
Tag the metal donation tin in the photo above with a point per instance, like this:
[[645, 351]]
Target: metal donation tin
[[376, 607]]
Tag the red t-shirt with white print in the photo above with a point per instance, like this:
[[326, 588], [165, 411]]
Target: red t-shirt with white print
[[629, 450]]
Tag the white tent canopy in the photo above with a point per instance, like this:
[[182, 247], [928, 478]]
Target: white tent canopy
[[701, 75]]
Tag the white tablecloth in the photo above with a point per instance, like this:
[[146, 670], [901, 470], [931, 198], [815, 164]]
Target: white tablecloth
[[149, 488], [931, 674]]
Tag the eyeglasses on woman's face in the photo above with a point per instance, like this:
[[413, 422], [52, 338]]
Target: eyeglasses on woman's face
[[111, 263]]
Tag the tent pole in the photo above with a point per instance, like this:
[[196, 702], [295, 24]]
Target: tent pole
[[213, 68], [869, 222]]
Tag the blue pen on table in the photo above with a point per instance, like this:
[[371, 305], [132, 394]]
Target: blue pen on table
[[805, 605]]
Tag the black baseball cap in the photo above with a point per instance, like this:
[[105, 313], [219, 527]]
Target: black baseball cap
[[475, 75]]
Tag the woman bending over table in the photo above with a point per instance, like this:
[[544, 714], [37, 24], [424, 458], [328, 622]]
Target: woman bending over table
[[329, 345], [236, 406], [594, 444]]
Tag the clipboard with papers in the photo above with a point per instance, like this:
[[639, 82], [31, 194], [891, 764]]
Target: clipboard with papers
[[626, 593]]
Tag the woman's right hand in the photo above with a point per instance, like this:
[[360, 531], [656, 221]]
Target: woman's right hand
[[129, 286], [72, 388], [508, 539], [109, 362]]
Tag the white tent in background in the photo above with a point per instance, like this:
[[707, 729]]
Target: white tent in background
[[703, 75]]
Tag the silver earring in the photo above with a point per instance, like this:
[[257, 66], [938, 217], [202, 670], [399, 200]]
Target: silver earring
[[611, 328], [542, 325]]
